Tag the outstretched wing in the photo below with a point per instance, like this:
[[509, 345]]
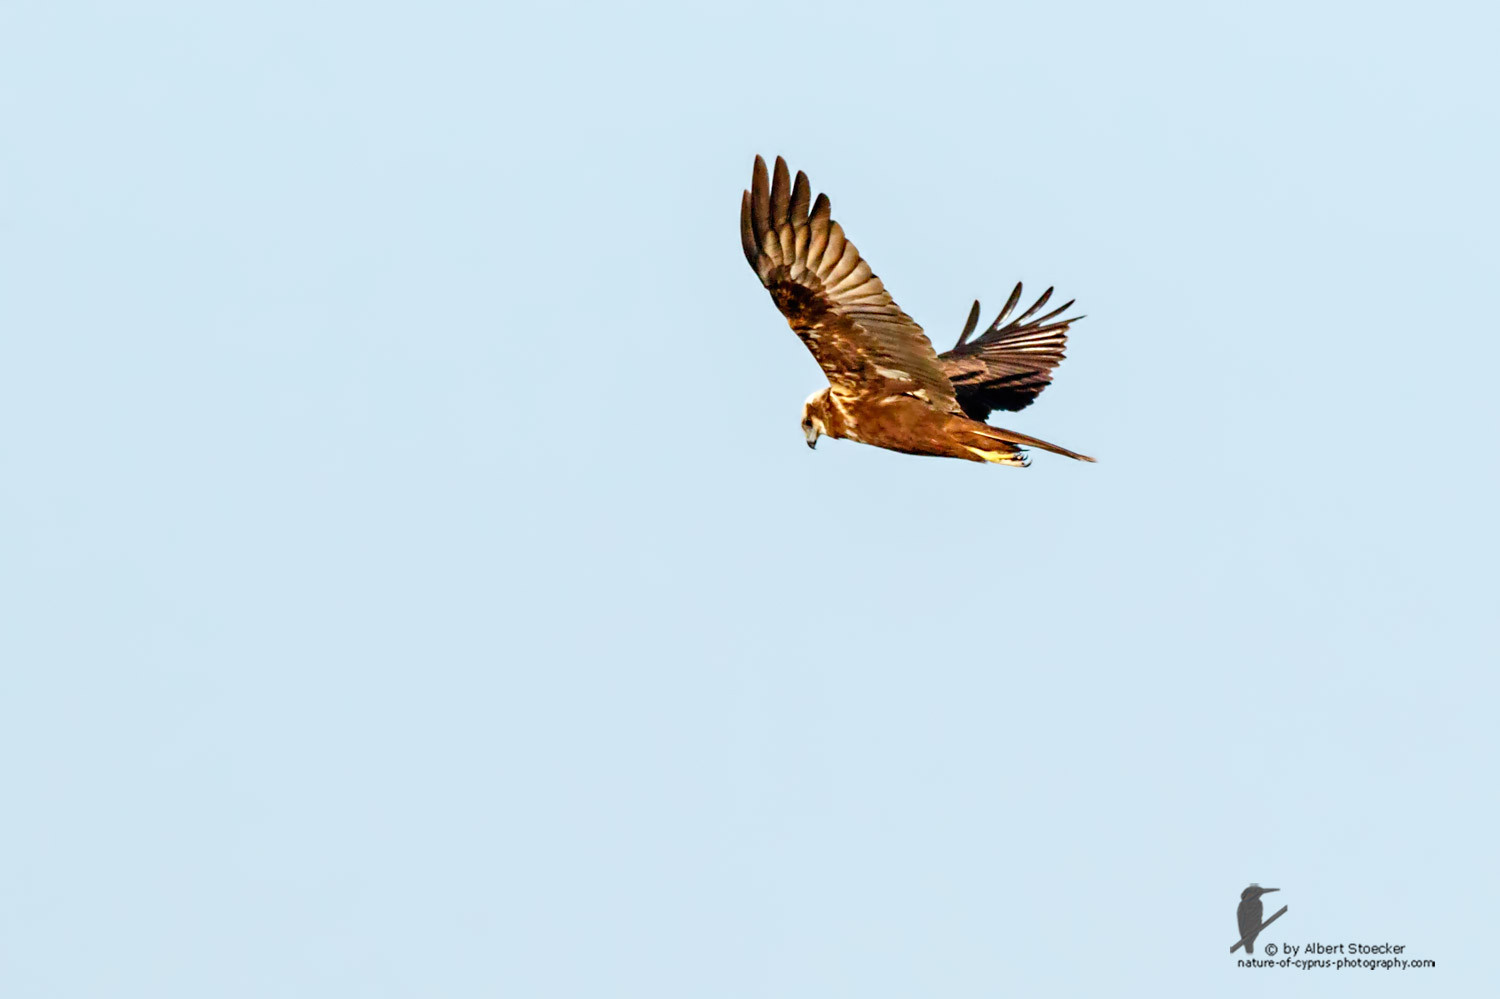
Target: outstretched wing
[[1009, 364], [861, 339]]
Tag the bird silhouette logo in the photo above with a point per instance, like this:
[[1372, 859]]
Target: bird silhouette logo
[[1248, 915]]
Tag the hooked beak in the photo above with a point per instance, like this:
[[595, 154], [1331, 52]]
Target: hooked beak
[[811, 433]]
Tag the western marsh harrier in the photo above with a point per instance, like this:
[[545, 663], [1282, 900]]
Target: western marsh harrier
[[886, 385]]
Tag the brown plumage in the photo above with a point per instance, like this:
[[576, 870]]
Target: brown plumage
[[887, 386]]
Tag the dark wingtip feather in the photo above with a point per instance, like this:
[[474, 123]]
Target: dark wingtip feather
[[1010, 303], [801, 198], [1056, 312], [747, 230], [781, 189], [760, 198], [969, 326]]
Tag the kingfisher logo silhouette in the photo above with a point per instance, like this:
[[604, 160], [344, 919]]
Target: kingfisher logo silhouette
[[1248, 915]]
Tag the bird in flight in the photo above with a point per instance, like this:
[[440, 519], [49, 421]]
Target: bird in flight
[[886, 384]]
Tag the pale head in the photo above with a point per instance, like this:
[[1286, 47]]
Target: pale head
[[815, 417]]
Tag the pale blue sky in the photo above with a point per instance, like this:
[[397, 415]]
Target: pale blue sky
[[416, 583]]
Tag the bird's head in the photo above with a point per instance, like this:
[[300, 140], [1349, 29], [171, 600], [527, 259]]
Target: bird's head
[[815, 417], [1255, 891]]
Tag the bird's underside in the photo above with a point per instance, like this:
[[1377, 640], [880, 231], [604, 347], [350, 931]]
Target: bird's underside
[[887, 386]]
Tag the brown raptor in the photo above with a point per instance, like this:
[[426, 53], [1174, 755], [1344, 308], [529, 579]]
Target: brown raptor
[[886, 384]]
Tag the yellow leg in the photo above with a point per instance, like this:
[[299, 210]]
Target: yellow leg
[[1013, 458]]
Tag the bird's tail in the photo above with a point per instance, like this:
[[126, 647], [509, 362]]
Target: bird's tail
[[1250, 945], [987, 438]]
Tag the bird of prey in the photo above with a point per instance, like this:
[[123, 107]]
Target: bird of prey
[[887, 386], [1249, 913]]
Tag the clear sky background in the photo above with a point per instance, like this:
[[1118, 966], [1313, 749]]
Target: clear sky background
[[415, 583]]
